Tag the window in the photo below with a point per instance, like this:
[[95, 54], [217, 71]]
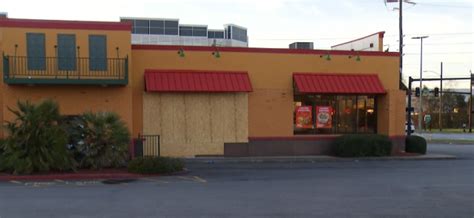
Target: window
[[66, 52], [215, 34], [200, 31], [239, 34], [97, 52], [157, 27], [36, 55], [142, 26], [185, 31], [334, 114], [171, 27]]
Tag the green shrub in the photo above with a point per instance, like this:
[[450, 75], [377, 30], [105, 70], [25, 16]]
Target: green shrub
[[415, 144], [2, 141], [363, 145], [155, 165], [35, 141], [99, 140]]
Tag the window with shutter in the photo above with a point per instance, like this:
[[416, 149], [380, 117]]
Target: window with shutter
[[66, 52], [36, 55], [97, 53]]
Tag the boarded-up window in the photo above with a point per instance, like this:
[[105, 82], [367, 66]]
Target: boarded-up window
[[97, 52], [36, 51], [66, 52]]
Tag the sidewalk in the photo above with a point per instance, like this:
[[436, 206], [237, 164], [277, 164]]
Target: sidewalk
[[312, 159]]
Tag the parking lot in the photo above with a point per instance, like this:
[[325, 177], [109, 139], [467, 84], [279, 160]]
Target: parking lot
[[395, 188]]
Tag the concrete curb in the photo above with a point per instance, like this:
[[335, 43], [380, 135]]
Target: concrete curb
[[84, 176], [311, 159]]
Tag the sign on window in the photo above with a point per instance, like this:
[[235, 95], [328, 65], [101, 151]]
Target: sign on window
[[304, 118], [323, 117]]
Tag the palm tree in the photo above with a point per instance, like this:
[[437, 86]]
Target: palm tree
[[101, 140], [35, 141]]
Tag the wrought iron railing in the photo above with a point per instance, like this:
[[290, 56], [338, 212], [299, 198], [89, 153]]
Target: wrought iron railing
[[147, 146], [56, 70]]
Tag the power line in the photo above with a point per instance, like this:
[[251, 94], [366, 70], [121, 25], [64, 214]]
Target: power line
[[439, 53], [445, 5], [385, 36]]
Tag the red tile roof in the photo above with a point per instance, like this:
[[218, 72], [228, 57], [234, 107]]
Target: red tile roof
[[196, 81], [323, 83]]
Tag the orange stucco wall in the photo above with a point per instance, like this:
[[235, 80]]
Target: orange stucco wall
[[270, 110], [72, 99], [271, 102]]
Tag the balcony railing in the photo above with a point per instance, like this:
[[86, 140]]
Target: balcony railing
[[64, 71]]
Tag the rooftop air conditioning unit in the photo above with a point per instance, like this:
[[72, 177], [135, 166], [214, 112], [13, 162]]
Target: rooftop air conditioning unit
[[302, 45]]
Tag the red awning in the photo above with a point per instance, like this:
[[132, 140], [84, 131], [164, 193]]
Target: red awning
[[196, 81], [338, 83]]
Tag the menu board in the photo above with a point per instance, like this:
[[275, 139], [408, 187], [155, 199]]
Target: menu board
[[304, 118], [323, 117]]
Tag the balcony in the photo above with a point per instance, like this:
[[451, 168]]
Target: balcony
[[21, 70]]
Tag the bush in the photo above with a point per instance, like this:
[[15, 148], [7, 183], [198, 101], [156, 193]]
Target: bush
[[155, 165], [2, 141], [415, 144], [363, 145], [99, 140], [35, 141]]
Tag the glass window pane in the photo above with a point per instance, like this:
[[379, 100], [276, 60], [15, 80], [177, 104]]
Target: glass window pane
[[171, 24], [142, 23], [171, 31], [185, 31], [199, 31], [219, 35], [157, 23], [157, 31], [141, 30]]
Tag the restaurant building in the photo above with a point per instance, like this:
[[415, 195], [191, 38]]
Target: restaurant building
[[203, 100]]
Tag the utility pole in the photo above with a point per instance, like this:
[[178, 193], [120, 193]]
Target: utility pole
[[400, 23], [420, 114], [440, 98], [409, 107], [471, 102]]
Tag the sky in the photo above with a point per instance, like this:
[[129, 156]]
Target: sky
[[277, 23]]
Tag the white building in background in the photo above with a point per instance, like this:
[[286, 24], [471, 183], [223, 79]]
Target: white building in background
[[372, 42], [159, 31]]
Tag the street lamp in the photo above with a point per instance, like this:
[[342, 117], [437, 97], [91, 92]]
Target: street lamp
[[440, 95], [421, 79]]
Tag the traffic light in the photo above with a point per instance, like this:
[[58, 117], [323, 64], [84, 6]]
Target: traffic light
[[417, 92], [436, 92]]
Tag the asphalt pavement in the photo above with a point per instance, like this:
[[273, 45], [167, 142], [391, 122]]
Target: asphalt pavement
[[365, 188]]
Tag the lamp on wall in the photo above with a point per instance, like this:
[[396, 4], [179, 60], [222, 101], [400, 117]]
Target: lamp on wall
[[326, 56], [16, 48], [357, 57], [216, 54], [118, 52], [181, 52]]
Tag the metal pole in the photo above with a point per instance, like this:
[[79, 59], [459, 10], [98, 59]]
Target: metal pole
[[440, 98], [409, 107], [420, 113], [470, 104], [400, 22]]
